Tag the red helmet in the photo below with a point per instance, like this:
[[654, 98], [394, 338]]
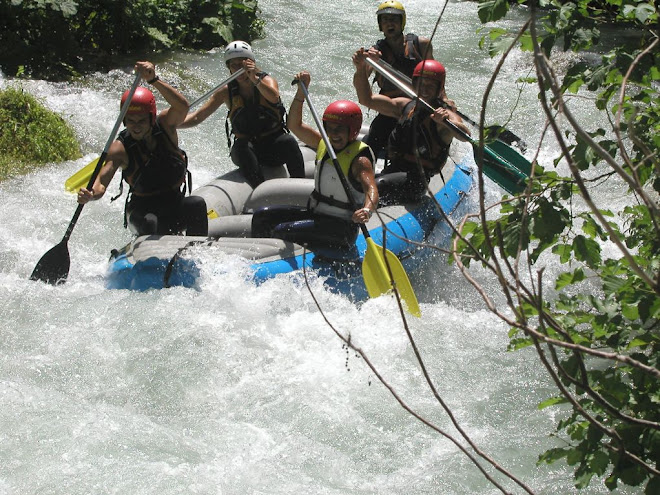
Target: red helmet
[[346, 113], [143, 101], [431, 69]]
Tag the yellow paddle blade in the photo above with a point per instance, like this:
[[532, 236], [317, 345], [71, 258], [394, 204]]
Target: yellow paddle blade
[[377, 277], [81, 177]]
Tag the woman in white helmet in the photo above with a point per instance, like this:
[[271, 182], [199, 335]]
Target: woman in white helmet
[[256, 113]]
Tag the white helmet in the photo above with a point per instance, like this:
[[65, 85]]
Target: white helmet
[[238, 49]]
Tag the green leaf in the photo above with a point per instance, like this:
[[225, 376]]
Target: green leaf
[[642, 12], [653, 486], [550, 220], [583, 479], [639, 342], [520, 343], [633, 476], [569, 278], [574, 456], [492, 10], [68, 8], [586, 250], [552, 455], [219, 27], [630, 311], [526, 43], [599, 463], [159, 36], [613, 284], [591, 228], [564, 251], [552, 402]]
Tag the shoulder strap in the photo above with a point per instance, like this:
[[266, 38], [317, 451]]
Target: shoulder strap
[[230, 88], [412, 47]]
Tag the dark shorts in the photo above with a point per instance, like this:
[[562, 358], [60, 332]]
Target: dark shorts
[[168, 213], [271, 151], [303, 226]]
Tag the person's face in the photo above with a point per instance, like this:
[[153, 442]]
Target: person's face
[[337, 134], [428, 89], [236, 64], [390, 24], [138, 125]]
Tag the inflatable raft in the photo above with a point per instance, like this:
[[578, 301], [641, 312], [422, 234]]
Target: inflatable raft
[[154, 262]]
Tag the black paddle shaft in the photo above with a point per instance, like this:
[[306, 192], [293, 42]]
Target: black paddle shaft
[[501, 133], [53, 267]]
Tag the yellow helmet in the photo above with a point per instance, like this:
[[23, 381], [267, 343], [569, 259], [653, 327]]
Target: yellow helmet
[[392, 7]]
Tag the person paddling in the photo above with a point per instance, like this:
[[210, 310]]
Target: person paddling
[[420, 137], [153, 165], [329, 219], [403, 52], [256, 113]]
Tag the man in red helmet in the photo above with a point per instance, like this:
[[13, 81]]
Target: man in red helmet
[[329, 220], [153, 165], [418, 146], [403, 52]]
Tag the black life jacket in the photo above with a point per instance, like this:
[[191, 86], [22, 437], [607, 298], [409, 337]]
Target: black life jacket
[[411, 132], [255, 119], [150, 173], [404, 63]]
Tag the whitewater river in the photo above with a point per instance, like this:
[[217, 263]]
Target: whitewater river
[[238, 389]]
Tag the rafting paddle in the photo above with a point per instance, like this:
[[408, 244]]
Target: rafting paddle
[[378, 262], [502, 164], [77, 180], [500, 133], [53, 267]]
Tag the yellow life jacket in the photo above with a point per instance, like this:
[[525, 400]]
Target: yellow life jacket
[[329, 196]]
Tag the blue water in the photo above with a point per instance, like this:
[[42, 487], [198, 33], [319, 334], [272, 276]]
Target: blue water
[[243, 389]]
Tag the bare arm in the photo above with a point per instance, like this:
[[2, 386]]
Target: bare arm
[[115, 160], [266, 85], [307, 134], [392, 107], [443, 114], [425, 48], [178, 109], [212, 104], [363, 171]]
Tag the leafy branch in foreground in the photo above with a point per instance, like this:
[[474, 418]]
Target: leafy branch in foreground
[[595, 326]]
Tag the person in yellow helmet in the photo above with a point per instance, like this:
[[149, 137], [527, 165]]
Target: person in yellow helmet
[[401, 51]]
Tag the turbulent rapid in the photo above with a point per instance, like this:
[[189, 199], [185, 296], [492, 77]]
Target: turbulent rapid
[[234, 388]]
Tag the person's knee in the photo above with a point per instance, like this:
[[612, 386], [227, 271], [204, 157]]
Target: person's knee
[[195, 217], [143, 224], [240, 152], [261, 223]]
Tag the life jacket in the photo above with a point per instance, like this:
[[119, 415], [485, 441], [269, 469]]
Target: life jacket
[[255, 119], [329, 196], [404, 63], [150, 173], [410, 132]]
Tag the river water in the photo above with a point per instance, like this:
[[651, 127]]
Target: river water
[[238, 389]]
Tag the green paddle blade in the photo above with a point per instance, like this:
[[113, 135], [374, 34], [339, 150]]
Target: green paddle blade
[[506, 166], [81, 177], [53, 267], [512, 157], [377, 278]]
